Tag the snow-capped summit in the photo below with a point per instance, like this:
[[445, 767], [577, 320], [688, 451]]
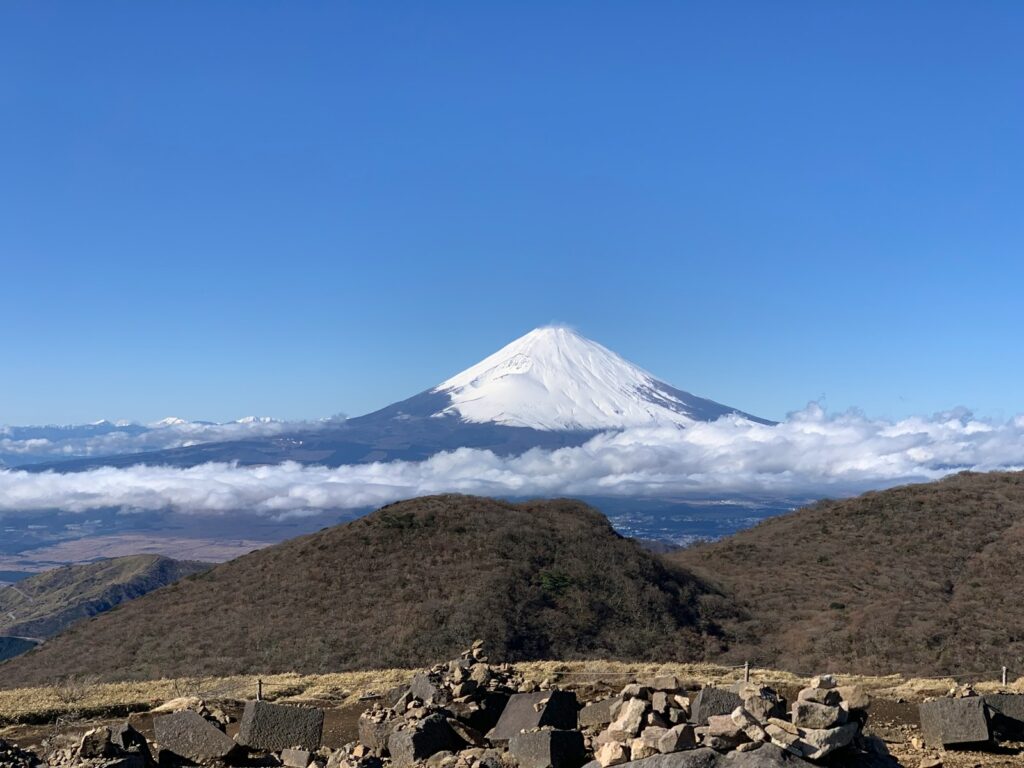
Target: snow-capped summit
[[170, 421], [555, 379]]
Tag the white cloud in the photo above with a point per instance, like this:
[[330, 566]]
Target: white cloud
[[810, 454], [33, 444]]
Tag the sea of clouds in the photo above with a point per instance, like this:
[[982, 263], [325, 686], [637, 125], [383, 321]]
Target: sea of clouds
[[25, 444], [811, 453]]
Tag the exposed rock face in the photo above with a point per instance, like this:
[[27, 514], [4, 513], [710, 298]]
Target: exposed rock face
[[274, 727]]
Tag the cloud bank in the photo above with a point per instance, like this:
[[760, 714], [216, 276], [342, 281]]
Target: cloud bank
[[809, 454], [21, 445]]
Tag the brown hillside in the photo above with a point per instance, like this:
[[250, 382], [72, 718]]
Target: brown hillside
[[45, 604], [412, 583], [923, 579]]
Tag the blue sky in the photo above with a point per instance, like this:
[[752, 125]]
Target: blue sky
[[214, 209]]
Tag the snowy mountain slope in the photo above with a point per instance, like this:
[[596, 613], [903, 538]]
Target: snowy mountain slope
[[554, 379]]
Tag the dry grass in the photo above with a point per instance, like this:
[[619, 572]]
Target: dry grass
[[47, 704], [920, 580]]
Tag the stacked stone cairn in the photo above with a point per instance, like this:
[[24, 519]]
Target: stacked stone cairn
[[658, 717]]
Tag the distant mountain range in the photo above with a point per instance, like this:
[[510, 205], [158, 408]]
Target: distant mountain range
[[21, 446], [549, 389]]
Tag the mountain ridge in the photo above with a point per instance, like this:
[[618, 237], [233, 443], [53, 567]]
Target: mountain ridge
[[42, 605], [411, 583], [920, 579]]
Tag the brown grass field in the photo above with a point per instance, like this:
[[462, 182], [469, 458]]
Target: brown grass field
[[81, 697]]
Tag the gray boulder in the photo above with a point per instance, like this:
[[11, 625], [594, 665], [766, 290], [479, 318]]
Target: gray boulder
[[600, 713], [426, 690], [547, 749], [810, 714], [693, 758], [677, 738], [126, 761], [191, 736], [829, 696], [374, 734], [662, 683], [765, 756], [481, 712], [96, 743], [129, 740], [416, 741], [761, 701], [819, 743], [711, 701], [526, 711], [296, 758], [273, 727], [953, 722], [1007, 715]]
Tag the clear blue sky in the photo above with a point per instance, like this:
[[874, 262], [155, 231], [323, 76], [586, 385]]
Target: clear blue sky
[[212, 209]]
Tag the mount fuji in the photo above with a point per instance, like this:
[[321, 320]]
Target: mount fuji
[[549, 389], [554, 379]]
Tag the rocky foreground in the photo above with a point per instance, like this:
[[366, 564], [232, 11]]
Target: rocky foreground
[[472, 714]]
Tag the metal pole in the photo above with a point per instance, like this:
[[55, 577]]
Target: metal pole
[[746, 671], [259, 690], [1004, 675]]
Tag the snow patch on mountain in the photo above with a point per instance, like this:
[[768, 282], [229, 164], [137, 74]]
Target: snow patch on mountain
[[555, 379]]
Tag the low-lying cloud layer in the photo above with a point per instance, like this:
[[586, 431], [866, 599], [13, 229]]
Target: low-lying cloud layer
[[809, 454], [24, 445]]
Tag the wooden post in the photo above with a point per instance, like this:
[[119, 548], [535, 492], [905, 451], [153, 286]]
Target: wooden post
[[259, 690], [1004, 675], [746, 671]]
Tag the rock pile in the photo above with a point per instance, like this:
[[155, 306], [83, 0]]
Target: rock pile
[[471, 714], [658, 717], [11, 756], [454, 714], [103, 747]]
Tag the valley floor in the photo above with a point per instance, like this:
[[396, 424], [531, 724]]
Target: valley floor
[[28, 716]]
